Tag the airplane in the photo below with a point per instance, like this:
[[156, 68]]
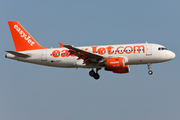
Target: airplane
[[114, 58]]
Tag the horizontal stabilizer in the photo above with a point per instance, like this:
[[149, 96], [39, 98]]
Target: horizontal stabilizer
[[18, 54]]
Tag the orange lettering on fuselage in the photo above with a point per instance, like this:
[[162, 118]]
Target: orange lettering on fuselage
[[94, 49], [139, 47], [103, 50], [109, 50], [122, 50], [129, 50], [56, 53], [64, 53], [73, 56]]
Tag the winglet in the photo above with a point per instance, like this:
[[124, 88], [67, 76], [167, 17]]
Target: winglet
[[61, 45]]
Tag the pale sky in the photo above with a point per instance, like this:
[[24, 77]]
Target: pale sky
[[34, 92]]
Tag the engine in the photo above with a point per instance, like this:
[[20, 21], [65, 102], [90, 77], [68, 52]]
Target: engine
[[116, 65], [126, 69]]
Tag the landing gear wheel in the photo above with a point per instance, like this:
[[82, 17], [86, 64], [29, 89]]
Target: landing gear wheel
[[96, 76], [149, 67], [92, 73], [150, 72]]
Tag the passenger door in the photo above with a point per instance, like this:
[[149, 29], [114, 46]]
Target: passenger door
[[148, 50], [43, 55]]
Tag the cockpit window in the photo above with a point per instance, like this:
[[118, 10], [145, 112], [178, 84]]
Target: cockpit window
[[162, 48]]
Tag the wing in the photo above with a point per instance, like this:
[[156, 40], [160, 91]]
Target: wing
[[88, 57]]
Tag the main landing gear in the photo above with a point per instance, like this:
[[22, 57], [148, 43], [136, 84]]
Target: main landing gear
[[94, 74], [150, 71]]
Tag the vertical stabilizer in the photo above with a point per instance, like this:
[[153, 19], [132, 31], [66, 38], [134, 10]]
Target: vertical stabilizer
[[22, 39]]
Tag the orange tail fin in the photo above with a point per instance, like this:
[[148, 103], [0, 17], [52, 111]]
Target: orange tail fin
[[22, 39]]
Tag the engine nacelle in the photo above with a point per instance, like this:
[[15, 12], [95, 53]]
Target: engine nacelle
[[116, 65], [126, 69]]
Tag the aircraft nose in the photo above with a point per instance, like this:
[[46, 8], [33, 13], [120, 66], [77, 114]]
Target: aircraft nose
[[171, 55]]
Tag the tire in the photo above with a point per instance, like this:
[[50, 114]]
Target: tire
[[92, 73], [150, 72], [96, 76]]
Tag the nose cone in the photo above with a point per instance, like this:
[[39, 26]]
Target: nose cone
[[171, 55], [166, 55]]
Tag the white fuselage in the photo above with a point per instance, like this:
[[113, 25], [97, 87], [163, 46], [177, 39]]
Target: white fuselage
[[144, 53]]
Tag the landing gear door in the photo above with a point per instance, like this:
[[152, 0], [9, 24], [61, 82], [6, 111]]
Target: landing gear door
[[43, 55], [148, 50]]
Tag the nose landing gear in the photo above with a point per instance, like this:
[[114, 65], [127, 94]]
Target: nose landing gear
[[95, 74], [150, 71]]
